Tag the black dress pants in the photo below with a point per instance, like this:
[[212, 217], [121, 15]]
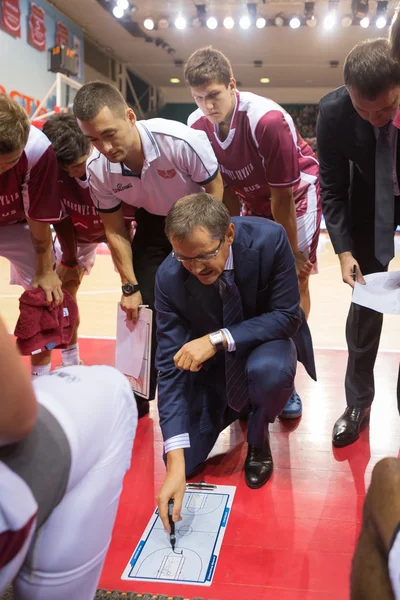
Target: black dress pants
[[364, 326], [150, 247]]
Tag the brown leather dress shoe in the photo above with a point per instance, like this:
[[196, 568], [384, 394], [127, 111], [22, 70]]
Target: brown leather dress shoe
[[258, 466], [348, 427]]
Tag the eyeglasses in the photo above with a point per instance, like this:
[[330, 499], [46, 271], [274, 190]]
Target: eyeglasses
[[199, 259]]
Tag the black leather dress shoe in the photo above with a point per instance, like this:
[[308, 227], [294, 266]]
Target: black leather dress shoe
[[348, 427], [259, 465]]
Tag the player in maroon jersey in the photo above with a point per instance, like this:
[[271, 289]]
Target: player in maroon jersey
[[263, 161], [28, 204], [81, 229]]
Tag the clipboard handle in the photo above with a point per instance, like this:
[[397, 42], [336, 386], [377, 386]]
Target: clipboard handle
[[201, 485]]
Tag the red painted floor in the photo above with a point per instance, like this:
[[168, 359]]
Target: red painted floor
[[294, 538]]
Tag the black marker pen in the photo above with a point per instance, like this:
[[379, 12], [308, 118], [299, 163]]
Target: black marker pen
[[172, 537]]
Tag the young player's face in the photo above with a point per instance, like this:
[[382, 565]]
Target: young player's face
[[9, 160], [215, 100], [110, 133], [78, 168], [201, 246], [380, 110]]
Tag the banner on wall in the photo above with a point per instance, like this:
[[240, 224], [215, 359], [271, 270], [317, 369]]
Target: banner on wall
[[11, 17], [62, 34], [37, 28]]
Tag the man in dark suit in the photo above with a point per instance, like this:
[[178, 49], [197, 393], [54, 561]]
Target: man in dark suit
[[227, 302], [359, 166]]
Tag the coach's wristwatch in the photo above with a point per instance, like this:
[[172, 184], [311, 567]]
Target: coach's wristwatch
[[130, 288], [217, 339]]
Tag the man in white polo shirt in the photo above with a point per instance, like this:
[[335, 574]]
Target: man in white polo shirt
[[148, 164]]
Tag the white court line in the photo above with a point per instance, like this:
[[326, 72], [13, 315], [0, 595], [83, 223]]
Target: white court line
[[94, 293]]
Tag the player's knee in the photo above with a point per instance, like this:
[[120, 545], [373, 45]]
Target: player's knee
[[386, 474]]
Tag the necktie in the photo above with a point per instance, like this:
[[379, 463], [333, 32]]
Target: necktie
[[384, 197], [235, 373]]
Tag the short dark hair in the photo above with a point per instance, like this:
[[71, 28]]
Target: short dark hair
[[394, 37], [67, 139], [371, 69], [14, 126], [197, 210], [94, 96], [206, 65]]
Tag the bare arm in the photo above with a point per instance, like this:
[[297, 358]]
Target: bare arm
[[231, 201], [46, 277], [121, 251], [18, 405], [66, 235], [284, 212], [215, 187]]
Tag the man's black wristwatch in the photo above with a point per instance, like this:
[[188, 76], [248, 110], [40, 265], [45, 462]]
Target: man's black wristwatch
[[130, 288]]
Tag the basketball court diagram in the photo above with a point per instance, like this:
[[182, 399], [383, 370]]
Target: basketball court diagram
[[198, 541]]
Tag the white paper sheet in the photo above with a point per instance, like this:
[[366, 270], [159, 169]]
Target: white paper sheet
[[131, 342], [381, 292], [198, 541]]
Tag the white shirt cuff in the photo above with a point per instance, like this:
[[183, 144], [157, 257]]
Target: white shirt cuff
[[177, 441], [230, 340]]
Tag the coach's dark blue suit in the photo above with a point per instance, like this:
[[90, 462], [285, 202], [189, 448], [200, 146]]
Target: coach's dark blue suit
[[272, 336]]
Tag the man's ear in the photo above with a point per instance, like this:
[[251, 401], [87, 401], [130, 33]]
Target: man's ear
[[232, 84], [230, 234], [130, 115]]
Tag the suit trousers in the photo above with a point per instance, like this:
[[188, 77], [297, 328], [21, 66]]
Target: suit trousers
[[271, 369], [364, 326], [150, 247]]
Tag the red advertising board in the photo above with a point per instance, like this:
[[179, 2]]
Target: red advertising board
[[62, 34], [11, 17], [37, 28]]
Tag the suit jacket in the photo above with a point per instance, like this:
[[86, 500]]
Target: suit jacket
[[346, 151], [187, 309]]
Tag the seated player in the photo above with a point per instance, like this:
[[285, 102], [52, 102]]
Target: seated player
[[65, 445], [81, 229], [263, 160], [28, 204]]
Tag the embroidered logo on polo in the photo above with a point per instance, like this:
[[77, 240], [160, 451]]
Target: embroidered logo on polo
[[121, 188], [166, 174]]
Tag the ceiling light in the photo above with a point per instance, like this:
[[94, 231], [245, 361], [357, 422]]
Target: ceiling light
[[229, 23], [264, 80], [364, 22], [381, 14], [330, 21], [311, 22], [294, 22], [180, 22], [261, 22], [279, 21], [124, 4], [212, 23], [118, 12], [245, 22], [347, 21], [148, 24], [174, 80], [381, 22]]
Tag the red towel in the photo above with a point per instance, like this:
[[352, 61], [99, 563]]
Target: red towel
[[43, 326]]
